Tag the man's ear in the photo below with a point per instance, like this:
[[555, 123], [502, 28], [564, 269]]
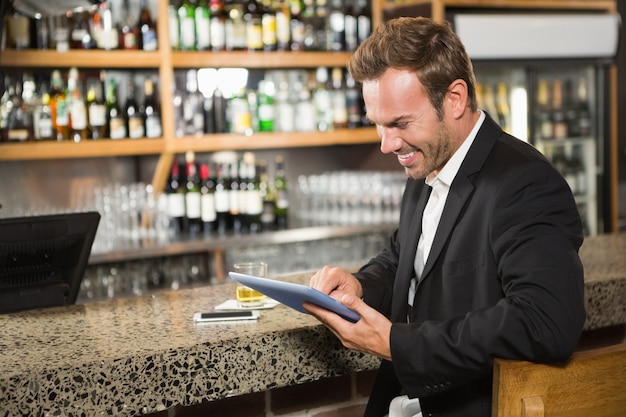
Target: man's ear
[[456, 98]]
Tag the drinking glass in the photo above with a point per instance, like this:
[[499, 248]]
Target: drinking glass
[[246, 296]]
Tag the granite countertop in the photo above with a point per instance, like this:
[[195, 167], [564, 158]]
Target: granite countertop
[[139, 355]]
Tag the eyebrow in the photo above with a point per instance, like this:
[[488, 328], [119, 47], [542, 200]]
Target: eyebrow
[[393, 122]]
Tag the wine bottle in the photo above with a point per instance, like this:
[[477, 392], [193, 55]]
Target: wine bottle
[[281, 208], [222, 201], [283, 26], [42, 115], [233, 198], [207, 199], [173, 24], [559, 124], [78, 109], [337, 26], [96, 108], [235, 26], [129, 32], [543, 116], [218, 26], [202, 18], [340, 107], [193, 105], [175, 193], [148, 40], [59, 107], [19, 125], [135, 122], [151, 111], [254, 200], [254, 29], [115, 117], [193, 209], [268, 217], [268, 26], [187, 25], [585, 123]]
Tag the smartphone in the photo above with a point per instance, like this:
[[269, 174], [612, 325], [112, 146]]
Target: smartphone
[[221, 316]]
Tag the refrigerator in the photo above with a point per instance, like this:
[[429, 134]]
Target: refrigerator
[[548, 82]]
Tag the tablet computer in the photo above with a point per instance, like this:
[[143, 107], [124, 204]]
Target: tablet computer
[[294, 295]]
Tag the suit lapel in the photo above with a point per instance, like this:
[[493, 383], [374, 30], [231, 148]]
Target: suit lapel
[[405, 265]]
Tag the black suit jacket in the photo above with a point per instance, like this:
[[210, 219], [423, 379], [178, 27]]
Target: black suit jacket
[[503, 279]]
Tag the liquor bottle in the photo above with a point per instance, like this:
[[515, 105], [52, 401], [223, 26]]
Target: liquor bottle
[[351, 27], [364, 20], [266, 109], [502, 107], [559, 125], [148, 39], [305, 111], [202, 17], [78, 109], [193, 106], [96, 109], [135, 120], [268, 26], [115, 117], [570, 108], [281, 208], [207, 199], [129, 32], [543, 116], [19, 124], [42, 115], [254, 29], [151, 111], [236, 37], [178, 99], [254, 199], [323, 100], [340, 106], [239, 112], [584, 112], [268, 217], [59, 107], [297, 25], [193, 209], [242, 195], [175, 193], [173, 24], [233, 199], [107, 37], [337, 26], [218, 26], [219, 110], [283, 26], [354, 102], [187, 25], [222, 201], [285, 109], [80, 32]]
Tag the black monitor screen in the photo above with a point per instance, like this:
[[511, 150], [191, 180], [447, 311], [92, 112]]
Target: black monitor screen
[[43, 259]]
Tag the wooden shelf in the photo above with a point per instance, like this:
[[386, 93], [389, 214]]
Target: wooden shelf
[[227, 141], [78, 58], [88, 149], [259, 59]]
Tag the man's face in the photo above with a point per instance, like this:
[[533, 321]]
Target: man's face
[[407, 123]]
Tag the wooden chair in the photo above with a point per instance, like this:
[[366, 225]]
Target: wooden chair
[[591, 384]]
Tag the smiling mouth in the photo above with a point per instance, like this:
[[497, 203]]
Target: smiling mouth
[[406, 155]]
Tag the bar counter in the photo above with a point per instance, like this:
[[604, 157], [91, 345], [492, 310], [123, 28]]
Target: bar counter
[[133, 356]]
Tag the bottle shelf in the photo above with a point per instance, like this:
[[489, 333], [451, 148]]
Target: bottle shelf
[[37, 150], [272, 140], [33, 150], [79, 58], [259, 59]]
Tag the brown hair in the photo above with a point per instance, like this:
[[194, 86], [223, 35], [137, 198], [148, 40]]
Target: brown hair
[[432, 50]]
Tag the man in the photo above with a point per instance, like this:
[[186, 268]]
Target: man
[[484, 266]]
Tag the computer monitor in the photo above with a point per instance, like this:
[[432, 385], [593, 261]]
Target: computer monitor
[[43, 259]]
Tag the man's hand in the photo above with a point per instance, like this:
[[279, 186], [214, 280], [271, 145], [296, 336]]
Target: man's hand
[[371, 333]]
